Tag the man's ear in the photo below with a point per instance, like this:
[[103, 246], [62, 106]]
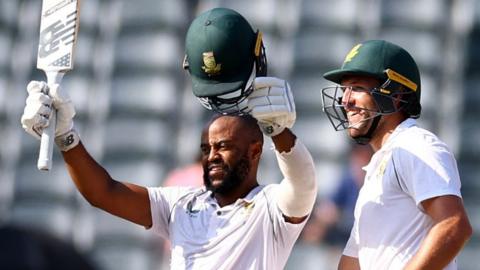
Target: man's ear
[[256, 150]]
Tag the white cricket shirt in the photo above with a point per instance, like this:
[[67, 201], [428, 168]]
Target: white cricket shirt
[[248, 234], [390, 224]]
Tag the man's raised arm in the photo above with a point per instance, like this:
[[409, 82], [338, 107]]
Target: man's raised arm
[[272, 104], [125, 200]]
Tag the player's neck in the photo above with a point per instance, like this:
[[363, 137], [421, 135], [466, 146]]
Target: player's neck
[[232, 197], [385, 128]]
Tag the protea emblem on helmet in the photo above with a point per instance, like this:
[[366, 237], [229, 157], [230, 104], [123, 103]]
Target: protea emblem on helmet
[[352, 53], [210, 65]]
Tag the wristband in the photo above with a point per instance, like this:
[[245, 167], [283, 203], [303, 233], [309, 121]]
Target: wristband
[[68, 140], [270, 129]]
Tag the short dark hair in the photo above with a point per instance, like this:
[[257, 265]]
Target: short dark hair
[[249, 122]]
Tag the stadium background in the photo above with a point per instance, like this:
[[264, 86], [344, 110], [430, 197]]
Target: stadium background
[[137, 115]]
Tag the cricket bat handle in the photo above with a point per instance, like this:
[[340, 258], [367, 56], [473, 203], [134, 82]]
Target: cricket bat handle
[[45, 155], [46, 144]]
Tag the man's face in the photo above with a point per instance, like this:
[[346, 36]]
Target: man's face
[[225, 157], [359, 103]]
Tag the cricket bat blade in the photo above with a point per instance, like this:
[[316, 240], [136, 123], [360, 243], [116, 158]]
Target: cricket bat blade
[[58, 33]]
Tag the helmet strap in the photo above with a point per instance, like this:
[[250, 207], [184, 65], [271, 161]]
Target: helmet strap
[[365, 139], [260, 56]]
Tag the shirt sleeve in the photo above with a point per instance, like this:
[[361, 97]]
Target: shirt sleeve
[[285, 233], [297, 191], [162, 201], [427, 169], [351, 248]]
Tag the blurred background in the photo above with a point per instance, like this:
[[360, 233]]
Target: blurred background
[[137, 116]]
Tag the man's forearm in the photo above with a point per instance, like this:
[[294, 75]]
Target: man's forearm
[[348, 263], [298, 190], [89, 177], [125, 200]]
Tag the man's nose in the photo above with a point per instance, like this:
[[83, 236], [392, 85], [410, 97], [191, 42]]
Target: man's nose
[[213, 155], [348, 101]]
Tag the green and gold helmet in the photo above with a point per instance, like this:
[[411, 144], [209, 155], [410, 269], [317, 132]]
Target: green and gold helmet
[[399, 80], [389, 63], [223, 56]]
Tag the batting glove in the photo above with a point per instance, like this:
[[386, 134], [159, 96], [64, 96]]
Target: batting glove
[[39, 104], [272, 104]]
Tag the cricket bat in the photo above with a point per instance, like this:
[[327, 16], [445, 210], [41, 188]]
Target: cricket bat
[[58, 33]]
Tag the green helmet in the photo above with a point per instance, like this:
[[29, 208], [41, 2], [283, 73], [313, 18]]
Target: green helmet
[[223, 56], [389, 63], [393, 66]]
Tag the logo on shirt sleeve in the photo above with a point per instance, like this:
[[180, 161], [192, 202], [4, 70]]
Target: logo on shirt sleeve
[[190, 211]]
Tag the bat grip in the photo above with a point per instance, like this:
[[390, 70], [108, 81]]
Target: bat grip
[[46, 144], [45, 154]]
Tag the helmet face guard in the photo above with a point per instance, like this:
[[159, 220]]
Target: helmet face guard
[[233, 103], [384, 97], [333, 107]]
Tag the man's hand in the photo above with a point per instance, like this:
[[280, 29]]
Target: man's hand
[[37, 110], [272, 104], [39, 104]]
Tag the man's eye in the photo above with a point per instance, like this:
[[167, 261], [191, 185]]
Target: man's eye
[[223, 145], [359, 89], [205, 150]]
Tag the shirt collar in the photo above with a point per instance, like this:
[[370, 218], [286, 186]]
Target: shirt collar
[[251, 195], [208, 196], [406, 124]]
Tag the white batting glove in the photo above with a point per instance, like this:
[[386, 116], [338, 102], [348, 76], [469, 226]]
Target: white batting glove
[[39, 104], [272, 104], [37, 110]]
